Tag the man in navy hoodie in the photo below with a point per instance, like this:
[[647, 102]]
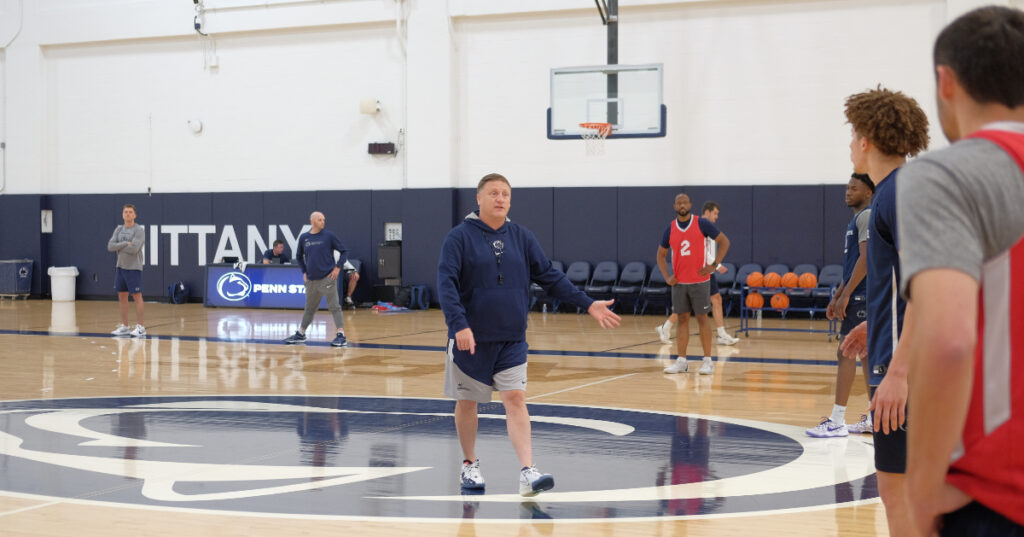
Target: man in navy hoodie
[[320, 275], [483, 280]]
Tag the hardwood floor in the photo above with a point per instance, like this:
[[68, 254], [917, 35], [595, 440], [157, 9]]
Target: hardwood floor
[[118, 436]]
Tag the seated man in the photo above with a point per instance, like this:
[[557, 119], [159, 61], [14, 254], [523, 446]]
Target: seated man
[[276, 255], [352, 274]]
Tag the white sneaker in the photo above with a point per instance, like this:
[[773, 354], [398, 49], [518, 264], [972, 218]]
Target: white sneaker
[[662, 335], [707, 368], [532, 482], [138, 331], [681, 366], [121, 330], [727, 340], [828, 429], [470, 476], [861, 427]]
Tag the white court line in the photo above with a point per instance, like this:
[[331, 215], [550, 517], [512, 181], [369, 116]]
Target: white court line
[[23, 509], [581, 386]]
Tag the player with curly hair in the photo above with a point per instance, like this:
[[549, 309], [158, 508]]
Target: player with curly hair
[[888, 126]]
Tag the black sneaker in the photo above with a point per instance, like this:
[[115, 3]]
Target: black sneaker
[[297, 337], [339, 341]]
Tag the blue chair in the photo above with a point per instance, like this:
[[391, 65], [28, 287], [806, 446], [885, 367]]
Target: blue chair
[[801, 297], [656, 290], [735, 294], [539, 296], [828, 280], [778, 268], [634, 274], [605, 276], [725, 281], [578, 274]]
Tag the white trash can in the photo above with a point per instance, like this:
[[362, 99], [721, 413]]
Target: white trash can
[[62, 283]]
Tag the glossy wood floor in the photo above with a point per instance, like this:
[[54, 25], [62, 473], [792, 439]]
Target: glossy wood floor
[[60, 350]]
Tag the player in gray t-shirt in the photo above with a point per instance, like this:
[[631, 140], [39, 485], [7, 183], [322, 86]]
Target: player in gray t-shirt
[[961, 214]]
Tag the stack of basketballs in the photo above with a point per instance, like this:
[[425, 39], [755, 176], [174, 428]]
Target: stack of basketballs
[[774, 282]]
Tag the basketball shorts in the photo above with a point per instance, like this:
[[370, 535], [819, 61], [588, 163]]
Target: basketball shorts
[[856, 313], [691, 297], [714, 285], [890, 449], [127, 281], [348, 267], [976, 519], [495, 366]]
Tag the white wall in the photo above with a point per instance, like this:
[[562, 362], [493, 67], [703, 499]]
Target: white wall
[[754, 91], [98, 94]]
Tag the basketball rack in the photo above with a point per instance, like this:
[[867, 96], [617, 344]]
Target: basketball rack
[[748, 314]]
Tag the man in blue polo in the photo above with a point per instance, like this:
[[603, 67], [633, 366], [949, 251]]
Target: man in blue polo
[[320, 275]]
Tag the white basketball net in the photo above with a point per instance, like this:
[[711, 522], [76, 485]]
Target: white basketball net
[[594, 135]]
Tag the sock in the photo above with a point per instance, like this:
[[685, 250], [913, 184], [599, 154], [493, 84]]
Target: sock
[[838, 414], [707, 359], [680, 358], [722, 332]]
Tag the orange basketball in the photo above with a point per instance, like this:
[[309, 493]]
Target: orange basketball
[[808, 279], [756, 279], [780, 301], [755, 301], [772, 279], [790, 279]]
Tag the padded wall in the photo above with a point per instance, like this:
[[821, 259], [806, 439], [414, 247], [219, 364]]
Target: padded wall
[[766, 224]]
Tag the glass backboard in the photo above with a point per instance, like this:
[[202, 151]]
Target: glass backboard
[[627, 96]]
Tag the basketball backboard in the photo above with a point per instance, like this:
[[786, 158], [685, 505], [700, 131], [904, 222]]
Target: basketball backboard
[[627, 96]]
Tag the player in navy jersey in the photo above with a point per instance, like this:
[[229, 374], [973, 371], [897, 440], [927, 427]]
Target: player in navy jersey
[[887, 127], [962, 237], [849, 306]]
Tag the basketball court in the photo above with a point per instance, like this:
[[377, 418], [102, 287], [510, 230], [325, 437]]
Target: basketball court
[[211, 426]]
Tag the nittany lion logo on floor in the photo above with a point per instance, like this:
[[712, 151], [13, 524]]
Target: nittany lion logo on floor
[[372, 457]]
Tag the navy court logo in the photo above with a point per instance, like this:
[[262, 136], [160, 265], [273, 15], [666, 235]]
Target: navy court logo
[[399, 458], [234, 286]]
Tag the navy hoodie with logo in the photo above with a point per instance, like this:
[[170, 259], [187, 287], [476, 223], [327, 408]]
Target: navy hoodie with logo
[[484, 275]]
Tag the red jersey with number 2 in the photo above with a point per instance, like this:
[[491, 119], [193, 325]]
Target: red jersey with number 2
[[688, 255]]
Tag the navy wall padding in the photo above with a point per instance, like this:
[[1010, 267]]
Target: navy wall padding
[[385, 206], [427, 216], [836, 221], [348, 214], [585, 224], [790, 224], [765, 224], [20, 235], [534, 209]]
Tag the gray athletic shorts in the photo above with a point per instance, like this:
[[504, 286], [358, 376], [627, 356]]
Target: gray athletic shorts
[[691, 297], [459, 385]]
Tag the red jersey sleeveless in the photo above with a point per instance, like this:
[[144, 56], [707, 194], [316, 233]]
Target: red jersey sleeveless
[[989, 464], [688, 254]]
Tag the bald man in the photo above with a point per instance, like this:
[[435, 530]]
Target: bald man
[[320, 274]]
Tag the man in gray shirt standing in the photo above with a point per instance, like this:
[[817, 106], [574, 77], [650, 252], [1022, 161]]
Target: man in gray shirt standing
[[129, 241], [962, 254]]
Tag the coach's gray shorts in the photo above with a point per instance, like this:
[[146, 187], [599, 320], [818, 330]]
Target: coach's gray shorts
[[691, 297], [459, 385]]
